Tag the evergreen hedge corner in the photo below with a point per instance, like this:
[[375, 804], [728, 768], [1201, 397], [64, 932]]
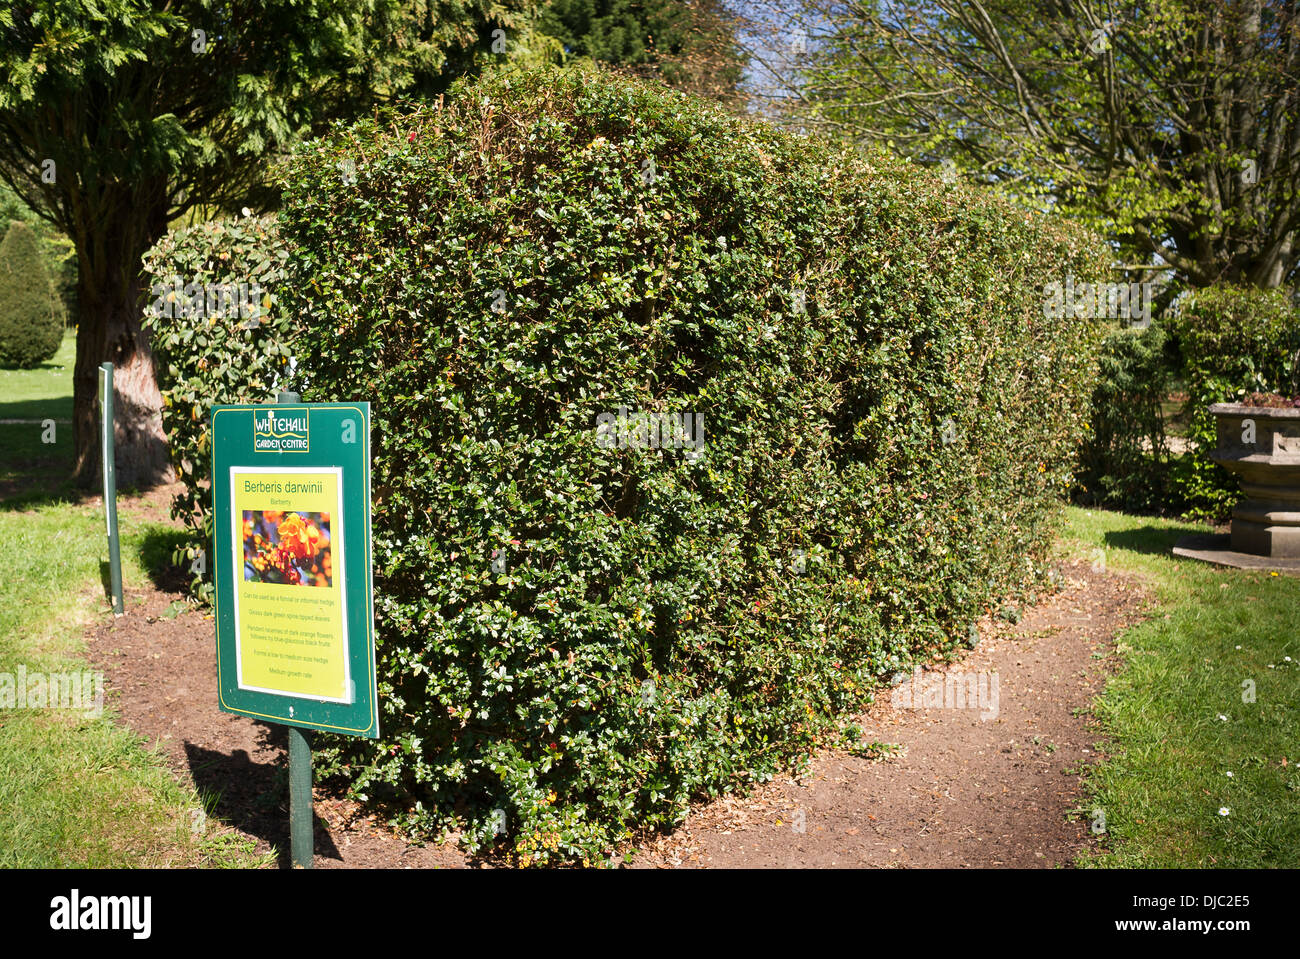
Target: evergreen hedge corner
[[575, 637], [31, 313], [205, 357]]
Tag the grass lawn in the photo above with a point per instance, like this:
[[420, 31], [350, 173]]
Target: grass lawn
[[1184, 743], [75, 789], [45, 390], [34, 397]]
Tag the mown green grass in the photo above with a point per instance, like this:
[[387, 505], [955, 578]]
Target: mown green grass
[[51, 381], [1174, 717], [76, 789], [36, 396]]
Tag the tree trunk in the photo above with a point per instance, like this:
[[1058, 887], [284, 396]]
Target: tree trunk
[[109, 330]]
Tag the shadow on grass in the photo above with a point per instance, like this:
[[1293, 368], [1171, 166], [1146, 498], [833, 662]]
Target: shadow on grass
[[37, 485], [56, 408], [254, 796], [36, 464], [34, 475], [1152, 540], [106, 580], [36, 437], [156, 558], [35, 460]]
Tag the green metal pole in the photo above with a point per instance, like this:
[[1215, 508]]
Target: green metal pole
[[300, 809], [300, 813], [110, 483]]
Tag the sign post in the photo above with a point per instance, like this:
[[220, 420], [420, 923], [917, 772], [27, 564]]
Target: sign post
[[109, 462], [291, 548]]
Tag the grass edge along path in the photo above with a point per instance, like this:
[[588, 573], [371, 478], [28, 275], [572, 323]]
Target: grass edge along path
[[79, 790], [1202, 721]]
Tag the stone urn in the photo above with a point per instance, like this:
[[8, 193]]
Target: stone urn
[[1260, 445]]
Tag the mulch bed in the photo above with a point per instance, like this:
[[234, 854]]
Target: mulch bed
[[967, 792], [161, 679]]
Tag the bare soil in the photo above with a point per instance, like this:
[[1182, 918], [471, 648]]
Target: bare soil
[[161, 678], [965, 793]]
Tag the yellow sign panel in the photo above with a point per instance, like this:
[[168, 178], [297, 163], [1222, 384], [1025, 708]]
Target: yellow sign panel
[[290, 599]]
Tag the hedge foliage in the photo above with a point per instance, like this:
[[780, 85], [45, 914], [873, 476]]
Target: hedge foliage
[[1124, 460], [31, 313], [1233, 341], [210, 347], [575, 640]]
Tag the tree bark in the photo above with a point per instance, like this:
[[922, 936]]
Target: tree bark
[[111, 304]]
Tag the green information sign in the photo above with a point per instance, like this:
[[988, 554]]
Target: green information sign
[[291, 548]]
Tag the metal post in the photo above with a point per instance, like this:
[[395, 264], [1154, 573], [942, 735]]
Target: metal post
[[300, 802], [300, 812], [110, 483]]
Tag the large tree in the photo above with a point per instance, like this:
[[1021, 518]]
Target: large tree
[[1171, 125], [117, 117], [688, 44]]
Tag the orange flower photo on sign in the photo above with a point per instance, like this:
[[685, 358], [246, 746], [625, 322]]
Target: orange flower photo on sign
[[287, 547]]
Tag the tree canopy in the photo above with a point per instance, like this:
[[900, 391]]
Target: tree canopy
[[119, 116], [1171, 126], [689, 45]]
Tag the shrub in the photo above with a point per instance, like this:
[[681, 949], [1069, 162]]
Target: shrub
[[57, 251], [218, 336], [1124, 461], [31, 315], [1232, 341], [576, 639]]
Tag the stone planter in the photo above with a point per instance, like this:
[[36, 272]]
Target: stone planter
[[1260, 445]]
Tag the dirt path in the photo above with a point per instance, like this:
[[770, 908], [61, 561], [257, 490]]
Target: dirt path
[[967, 792]]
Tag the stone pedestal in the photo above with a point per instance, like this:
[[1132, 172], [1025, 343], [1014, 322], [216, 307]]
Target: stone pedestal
[[1261, 447]]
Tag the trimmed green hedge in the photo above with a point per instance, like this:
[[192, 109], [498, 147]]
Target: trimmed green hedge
[[1233, 341], [31, 313], [218, 336], [577, 639]]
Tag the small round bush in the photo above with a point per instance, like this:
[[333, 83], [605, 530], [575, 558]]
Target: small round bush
[[31, 314]]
